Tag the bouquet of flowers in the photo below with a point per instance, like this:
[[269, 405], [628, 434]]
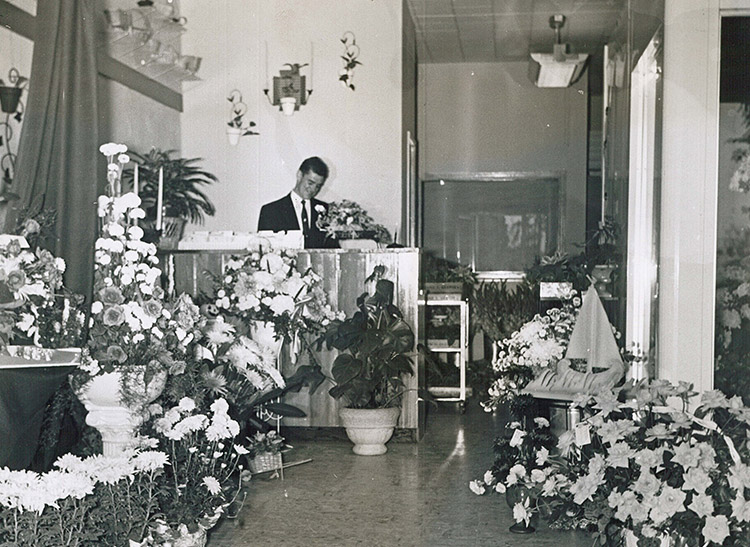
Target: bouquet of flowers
[[537, 345], [204, 473], [265, 443], [651, 470], [265, 285], [101, 500], [28, 281], [132, 328], [348, 220]]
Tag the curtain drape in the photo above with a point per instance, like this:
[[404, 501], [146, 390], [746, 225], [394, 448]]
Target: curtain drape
[[58, 146]]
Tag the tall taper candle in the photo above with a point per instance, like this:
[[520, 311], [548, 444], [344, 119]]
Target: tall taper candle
[[160, 198], [265, 48], [135, 179], [309, 85]]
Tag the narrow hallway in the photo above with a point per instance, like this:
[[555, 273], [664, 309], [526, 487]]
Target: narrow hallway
[[417, 494]]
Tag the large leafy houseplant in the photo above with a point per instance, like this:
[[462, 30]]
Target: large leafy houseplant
[[375, 345]]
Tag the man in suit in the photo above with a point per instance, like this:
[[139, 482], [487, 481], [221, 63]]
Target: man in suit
[[299, 209]]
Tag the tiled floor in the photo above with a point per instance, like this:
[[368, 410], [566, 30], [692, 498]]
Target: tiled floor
[[415, 495]]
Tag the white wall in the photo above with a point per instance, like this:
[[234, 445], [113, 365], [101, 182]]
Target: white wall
[[358, 133], [15, 52], [485, 117]]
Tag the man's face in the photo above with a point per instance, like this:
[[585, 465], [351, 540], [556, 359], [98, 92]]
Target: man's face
[[309, 184]]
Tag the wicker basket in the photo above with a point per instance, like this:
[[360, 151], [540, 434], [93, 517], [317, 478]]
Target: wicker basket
[[265, 462]]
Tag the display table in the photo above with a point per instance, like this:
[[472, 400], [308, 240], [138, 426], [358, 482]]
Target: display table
[[25, 388], [343, 272]]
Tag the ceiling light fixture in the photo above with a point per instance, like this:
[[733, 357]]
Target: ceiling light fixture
[[559, 68]]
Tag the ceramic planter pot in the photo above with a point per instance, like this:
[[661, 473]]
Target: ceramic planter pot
[[9, 97], [234, 134], [288, 105], [369, 428]]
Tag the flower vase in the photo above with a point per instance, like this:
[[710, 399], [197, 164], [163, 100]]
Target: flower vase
[[107, 413], [519, 494], [264, 333]]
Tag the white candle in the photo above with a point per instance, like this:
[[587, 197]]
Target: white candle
[[135, 179], [159, 198], [265, 47], [312, 52]]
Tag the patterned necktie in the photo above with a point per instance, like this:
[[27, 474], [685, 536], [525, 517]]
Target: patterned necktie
[[305, 221]]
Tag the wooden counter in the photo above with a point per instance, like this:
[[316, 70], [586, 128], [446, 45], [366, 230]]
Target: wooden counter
[[343, 272]]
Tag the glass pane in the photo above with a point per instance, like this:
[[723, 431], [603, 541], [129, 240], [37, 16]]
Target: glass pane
[[732, 348], [492, 225]]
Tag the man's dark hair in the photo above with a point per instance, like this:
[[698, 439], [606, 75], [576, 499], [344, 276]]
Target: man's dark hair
[[316, 165]]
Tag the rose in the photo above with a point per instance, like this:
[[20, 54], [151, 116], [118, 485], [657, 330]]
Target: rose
[[16, 280], [113, 316], [111, 295], [116, 353]]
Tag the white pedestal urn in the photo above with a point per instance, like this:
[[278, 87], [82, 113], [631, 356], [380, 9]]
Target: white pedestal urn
[[116, 421], [369, 428]]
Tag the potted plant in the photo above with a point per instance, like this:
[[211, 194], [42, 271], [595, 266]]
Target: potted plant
[[10, 95], [237, 127], [375, 346], [603, 255], [184, 199], [264, 452], [292, 88], [349, 223]]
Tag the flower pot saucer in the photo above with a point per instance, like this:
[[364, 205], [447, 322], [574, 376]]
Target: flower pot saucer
[[520, 528]]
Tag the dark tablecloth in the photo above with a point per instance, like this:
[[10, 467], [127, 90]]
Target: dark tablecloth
[[24, 393]]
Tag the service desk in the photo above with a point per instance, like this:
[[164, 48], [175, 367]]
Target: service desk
[[343, 272]]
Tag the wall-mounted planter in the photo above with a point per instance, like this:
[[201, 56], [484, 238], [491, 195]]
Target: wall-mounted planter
[[288, 105], [9, 98]]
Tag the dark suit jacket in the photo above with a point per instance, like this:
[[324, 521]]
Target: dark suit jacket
[[279, 216]]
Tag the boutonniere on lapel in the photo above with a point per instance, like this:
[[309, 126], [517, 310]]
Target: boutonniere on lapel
[[320, 209]]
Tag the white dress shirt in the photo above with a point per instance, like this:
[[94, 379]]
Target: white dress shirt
[[297, 202]]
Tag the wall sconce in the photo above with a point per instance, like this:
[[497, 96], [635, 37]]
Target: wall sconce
[[289, 89], [238, 127]]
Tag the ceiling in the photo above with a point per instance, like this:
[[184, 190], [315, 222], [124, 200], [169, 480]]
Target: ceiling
[[455, 31]]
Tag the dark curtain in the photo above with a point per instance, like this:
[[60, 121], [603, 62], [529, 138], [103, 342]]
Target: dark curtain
[[58, 147]]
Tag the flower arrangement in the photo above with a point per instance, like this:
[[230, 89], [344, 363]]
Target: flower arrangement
[[29, 281], [204, 472], [520, 455], [733, 314], [100, 500], [132, 328], [639, 467], [539, 344], [265, 443], [264, 285], [347, 220]]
